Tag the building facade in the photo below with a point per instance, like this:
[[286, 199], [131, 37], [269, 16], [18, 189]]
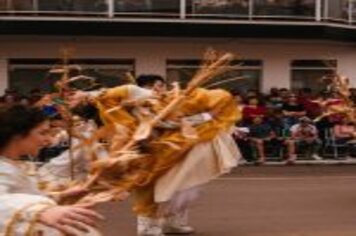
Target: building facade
[[289, 43]]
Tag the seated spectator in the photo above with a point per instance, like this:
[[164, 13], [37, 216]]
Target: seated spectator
[[284, 94], [252, 110], [275, 119], [305, 134], [292, 111], [260, 132], [344, 131]]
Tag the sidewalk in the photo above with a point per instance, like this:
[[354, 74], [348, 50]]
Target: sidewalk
[[345, 161]]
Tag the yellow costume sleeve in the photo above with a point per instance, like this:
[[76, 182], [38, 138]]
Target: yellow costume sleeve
[[111, 110]]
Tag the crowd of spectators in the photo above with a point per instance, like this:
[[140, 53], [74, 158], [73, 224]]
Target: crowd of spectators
[[288, 125]]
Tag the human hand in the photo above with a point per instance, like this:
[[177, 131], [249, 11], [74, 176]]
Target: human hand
[[70, 220]]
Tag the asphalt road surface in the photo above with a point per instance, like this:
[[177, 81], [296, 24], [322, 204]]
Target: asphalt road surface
[[266, 201]]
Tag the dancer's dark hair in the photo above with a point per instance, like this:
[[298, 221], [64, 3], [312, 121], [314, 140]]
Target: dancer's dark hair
[[18, 120], [88, 111], [148, 80]]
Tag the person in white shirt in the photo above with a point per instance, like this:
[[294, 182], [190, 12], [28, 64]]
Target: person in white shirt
[[24, 208], [305, 134]]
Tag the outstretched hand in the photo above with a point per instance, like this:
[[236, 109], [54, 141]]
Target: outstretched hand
[[70, 220]]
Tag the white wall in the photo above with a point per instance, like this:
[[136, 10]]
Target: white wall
[[151, 53]]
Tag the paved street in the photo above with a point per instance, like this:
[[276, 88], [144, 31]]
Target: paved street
[[267, 201]]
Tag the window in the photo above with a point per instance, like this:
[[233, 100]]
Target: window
[[82, 6], [154, 7], [220, 8], [19, 5], [337, 10], [241, 76], [28, 74], [308, 73], [285, 8]]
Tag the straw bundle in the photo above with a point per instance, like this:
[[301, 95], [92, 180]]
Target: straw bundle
[[341, 86]]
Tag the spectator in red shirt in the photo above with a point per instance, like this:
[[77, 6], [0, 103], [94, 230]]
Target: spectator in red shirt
[[305, 98], [253, 109]]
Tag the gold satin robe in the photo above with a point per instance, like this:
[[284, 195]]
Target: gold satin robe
[[162, 157]]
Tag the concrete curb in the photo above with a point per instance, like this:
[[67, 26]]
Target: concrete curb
[[351, 161]]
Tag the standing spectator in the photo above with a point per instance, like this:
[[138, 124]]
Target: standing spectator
[[239, 102], [252, 93], [35, 96], [275, 101], [292, 111], [252, 110], [23, 100], [306, 99], [284, 93], [305, 135], [353, 95], [9, 99]]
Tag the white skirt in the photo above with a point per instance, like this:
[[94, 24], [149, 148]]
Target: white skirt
[[205, 162]]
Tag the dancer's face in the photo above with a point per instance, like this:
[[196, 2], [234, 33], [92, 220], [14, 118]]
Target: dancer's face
[[159, 87], [38, 138], [76, 97]]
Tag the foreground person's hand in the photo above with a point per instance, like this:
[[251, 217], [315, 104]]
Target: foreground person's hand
[[70, 220]]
